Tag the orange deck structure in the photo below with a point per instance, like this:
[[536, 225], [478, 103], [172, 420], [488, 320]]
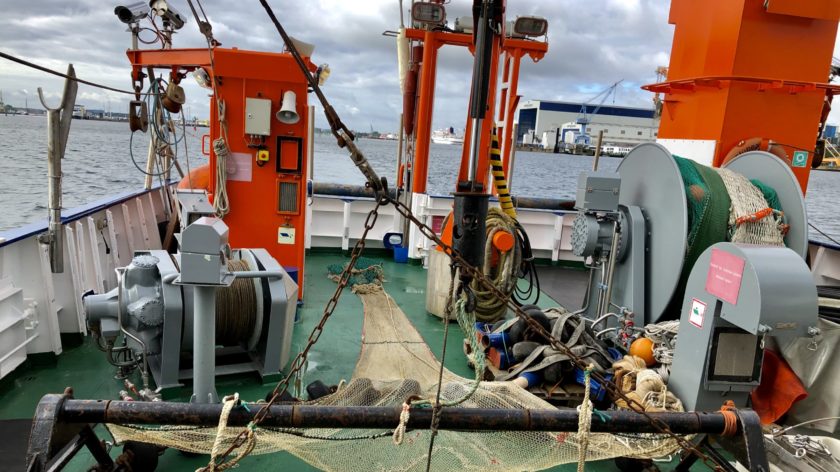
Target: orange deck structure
[[267, 200], [745, 69], [510, 51]]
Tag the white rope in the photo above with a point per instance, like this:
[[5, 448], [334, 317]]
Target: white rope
[[399, 432], [219, 448], [664, 337], [584, 421], [220, 148], [748, 200], [227, 405]]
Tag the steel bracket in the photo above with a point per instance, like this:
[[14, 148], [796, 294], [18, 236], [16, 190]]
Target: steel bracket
[[53, 443]]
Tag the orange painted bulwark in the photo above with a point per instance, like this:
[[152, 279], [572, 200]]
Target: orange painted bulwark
[[255, 218], [739, 70]]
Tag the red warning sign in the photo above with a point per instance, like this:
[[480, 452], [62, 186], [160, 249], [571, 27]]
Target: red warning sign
[[725, 273]]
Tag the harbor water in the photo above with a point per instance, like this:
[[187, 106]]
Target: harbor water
[[98, 163]]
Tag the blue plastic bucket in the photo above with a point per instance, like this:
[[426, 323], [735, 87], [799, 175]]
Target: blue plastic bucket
[[400, 254]]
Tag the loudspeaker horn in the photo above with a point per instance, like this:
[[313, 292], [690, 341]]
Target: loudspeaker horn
[[288, 111]]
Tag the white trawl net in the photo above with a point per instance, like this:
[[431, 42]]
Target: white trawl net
[[395, 364]]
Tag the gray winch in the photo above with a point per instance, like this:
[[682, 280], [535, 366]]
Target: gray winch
[[636, 239], [167, 315], [631, 230], [736, 295]]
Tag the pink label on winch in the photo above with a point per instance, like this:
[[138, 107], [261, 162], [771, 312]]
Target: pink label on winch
[[725, 273]]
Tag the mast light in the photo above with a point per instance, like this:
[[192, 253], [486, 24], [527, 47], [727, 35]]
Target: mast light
[[429, 13]]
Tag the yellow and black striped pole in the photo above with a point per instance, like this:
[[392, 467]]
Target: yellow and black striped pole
[[499, 179]]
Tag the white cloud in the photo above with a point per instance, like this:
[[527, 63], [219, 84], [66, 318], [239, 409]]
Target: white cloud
[[592, 44]]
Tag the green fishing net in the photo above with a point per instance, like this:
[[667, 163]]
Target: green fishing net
[[366, 272], [708, 208], [769, 194]]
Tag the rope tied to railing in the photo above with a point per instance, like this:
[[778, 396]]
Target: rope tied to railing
[[228, 403], [730, 418]]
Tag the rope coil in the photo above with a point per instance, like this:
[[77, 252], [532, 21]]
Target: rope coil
[[490, 308]]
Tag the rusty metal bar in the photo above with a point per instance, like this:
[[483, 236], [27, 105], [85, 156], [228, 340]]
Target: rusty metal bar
[[363, 417], [360, 191]]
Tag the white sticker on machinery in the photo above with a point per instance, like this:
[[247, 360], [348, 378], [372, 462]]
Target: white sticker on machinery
[[698, 312], [285, 235]]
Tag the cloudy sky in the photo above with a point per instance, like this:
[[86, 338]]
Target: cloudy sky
[[593, 43]]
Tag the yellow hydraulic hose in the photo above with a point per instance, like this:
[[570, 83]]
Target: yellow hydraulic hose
[[499, 179]]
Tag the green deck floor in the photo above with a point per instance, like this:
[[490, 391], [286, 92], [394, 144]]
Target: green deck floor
[[332, 359]]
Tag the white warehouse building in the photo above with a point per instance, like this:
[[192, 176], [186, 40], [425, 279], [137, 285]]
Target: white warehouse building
[[539, 120]]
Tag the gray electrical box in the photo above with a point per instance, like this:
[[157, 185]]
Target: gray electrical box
[[257, 116], [598, 191], [193, 204], [204, 249]]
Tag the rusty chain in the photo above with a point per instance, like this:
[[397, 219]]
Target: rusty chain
[[610, 386], [382, 197], [299, 360], [477, 275]]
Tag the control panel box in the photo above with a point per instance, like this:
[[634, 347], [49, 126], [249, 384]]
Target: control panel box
[[257, 116], [598, 191]]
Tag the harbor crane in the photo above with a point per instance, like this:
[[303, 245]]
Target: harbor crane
[[583, 118]]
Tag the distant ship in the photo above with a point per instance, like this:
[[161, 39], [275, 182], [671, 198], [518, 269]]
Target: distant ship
[[447, 136]]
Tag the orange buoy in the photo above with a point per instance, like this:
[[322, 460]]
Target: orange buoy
[[197, 179], [643, 348]]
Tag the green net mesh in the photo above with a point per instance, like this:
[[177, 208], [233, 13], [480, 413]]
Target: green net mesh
[[367, 273], [769, 194], [708, 206]]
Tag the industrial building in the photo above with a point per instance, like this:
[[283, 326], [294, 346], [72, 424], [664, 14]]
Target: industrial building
[[540, 120]]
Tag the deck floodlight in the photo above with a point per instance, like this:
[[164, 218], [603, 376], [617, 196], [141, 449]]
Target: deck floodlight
[[132, 13], [532, 26], [429, 13], [170, 15], [202, 78]]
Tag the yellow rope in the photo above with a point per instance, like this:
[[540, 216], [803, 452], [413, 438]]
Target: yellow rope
[[399, 432]]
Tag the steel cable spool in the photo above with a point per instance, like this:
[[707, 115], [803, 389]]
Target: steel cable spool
[[237, 308]]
